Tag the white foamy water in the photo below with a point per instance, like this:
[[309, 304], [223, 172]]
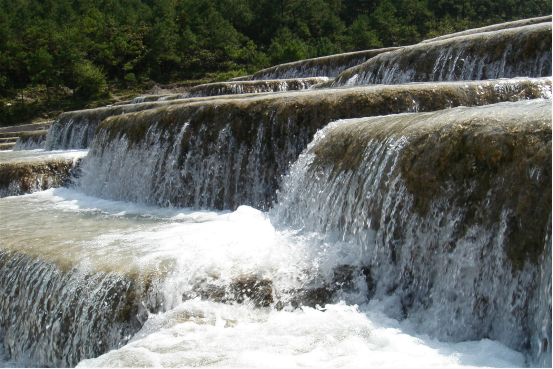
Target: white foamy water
[[194, 249], [10, 156], [202, 333]]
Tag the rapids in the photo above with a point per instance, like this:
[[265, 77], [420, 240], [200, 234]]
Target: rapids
[[98, 263]]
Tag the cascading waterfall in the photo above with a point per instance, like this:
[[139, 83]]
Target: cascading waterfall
[[221, 154], [55, 318], [324, 66], [520, 51], [237, 87], [76, 129], [384, 225], [151, 98], [37, 171], [247, 87], [493, 27], [31, 140], [451, 209]]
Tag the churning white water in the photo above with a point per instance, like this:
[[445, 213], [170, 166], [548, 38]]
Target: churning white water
[[9, 156], [197, 251], [202, 333]]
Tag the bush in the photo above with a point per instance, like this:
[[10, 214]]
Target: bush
[[287, 47], [88, 80]]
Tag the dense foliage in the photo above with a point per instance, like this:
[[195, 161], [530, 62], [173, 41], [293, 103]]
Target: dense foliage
[[85, 44]]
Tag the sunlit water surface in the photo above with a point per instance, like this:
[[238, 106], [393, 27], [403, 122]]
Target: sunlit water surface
[[10, 156], [74, 230]]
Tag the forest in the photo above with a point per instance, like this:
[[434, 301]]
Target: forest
[[93, 46]]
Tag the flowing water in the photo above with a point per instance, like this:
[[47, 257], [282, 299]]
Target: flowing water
[[100, 244], [390, 226], [346, 269], [36, 170], [244, 87], [520, 51]]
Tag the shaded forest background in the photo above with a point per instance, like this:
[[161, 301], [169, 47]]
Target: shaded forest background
[[67, 53]]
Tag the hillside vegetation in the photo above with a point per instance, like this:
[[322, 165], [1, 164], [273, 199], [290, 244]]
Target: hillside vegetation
[[65, 54]]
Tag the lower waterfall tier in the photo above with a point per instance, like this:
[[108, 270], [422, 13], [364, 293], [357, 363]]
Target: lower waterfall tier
[[452, 210], [223, 153], [24, 172], [150, 286], [91, 272]]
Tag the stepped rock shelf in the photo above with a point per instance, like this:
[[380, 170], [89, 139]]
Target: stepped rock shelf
[[198, 145], [412, 183]]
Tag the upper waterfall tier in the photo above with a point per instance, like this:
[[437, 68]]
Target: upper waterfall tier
[[237, 87], [324, 66], [248, 87], [493, 27], [452, 210], [151, 98], [76, 129], [514, 52], [31, 140], [222, 153]]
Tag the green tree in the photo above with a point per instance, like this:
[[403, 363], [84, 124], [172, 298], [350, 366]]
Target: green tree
[[362, 36], [287, 47]]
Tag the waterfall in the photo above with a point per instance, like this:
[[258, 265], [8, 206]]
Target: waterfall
[[493, 27], [406, 224], [452, 212], [151, 98], [31, 140], [38, 172], [326, 66], [76, 129], [247, 87], [221, 153], [55, 318], [520, 51]]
